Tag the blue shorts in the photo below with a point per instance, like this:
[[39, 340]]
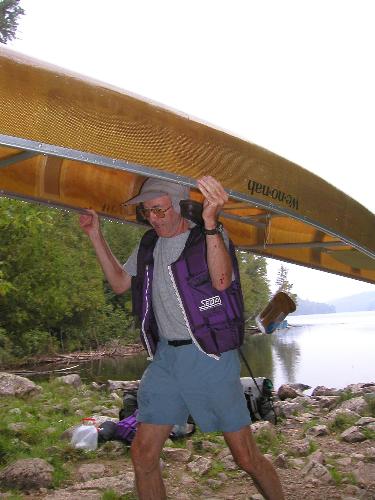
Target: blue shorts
[[183, 380]]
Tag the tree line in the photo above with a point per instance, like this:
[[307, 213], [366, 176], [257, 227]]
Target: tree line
[[53, 296]]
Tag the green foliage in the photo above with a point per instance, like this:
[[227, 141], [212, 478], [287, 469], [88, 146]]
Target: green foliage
[[342, 422], [112, 495], [255, 286], [283, 284], [345, 396], [9, 14], [370, 399], [336, 475], [269, 441], [44, 418], [313, 446], [368, 433], [53, 296], [309, 424]]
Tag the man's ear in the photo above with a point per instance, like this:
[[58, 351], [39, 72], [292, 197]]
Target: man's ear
[[192, 210], [139, 216]]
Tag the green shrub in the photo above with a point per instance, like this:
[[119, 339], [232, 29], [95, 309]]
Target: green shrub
[[370, 398], [269, 441], [342, 422]]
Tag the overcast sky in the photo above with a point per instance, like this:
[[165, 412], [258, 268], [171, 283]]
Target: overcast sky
[[293, 76]]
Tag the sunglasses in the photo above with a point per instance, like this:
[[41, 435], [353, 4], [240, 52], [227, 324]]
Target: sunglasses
[[159, 212]]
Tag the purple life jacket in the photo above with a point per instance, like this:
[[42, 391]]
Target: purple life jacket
[[214, 318], [126, 428]]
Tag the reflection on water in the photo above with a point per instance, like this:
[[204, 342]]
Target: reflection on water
[[331, 349], [104, 369]]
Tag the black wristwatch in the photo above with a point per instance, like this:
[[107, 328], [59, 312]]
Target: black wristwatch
[[217, 230]]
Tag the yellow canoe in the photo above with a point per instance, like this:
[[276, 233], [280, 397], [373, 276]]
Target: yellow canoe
[[73, 142]]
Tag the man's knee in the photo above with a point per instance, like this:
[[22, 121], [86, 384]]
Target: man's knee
[[144, 457]]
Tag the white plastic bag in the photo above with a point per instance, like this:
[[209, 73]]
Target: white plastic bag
[[85, 436]]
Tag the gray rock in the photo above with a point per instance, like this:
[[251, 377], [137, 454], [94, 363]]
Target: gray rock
[[177, 454], [300, 387], [116, 397], [123, 483], [72, 495], [364, 388], [299, 448], [72, 379], [365, 474], [327, 401], [257, 496], [111, 448], [98, 387], [370, 453], [214, 483], [286, 391], [209, 446], [99, 419], [296, 463], [314, 470], [200, 465], [358, 405], [262, 425], [364, 421], [27, 474], [281, 461], [344, 462], [352, 490], [352, 435], [318, 430], [90, 471], [341, 412], [187, 480], [222, 476], [17, 427], [321, 390], [223, 453], [229, 463], [15, 411], [286, 408], [14, 385], [316, 457], [128, 385]]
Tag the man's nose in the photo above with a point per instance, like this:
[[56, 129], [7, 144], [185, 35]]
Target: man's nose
[[152, 217]]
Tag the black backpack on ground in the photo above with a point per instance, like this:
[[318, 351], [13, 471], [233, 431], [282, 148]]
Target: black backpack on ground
[[258, 394]]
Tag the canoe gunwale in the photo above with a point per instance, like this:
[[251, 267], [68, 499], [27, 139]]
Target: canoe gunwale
[[31, 147]]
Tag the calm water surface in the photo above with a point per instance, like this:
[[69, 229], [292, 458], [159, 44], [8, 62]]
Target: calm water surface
[[326, 349]]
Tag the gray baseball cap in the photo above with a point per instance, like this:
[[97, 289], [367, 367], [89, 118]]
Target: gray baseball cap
[[155, 188]]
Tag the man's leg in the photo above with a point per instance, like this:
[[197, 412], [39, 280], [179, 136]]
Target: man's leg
[[145, 452], [247, 456]]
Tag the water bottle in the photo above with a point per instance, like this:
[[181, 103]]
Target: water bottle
[[85, 436]]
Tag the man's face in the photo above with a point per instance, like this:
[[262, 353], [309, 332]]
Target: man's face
[[166, 226]]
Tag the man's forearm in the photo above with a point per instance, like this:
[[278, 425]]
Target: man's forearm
[[118, 279], [219, 262]]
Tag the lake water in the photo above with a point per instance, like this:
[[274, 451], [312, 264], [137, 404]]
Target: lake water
[[326, 349]]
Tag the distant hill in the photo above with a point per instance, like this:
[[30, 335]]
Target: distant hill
[[360, 302], [308, 307]]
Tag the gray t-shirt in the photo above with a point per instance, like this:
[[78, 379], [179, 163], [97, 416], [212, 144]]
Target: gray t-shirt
[[168, 313]]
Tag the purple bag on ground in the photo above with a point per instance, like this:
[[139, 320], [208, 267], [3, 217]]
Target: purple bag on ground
[[126, 428]]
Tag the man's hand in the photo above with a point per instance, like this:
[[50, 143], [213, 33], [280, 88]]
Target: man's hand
[[89, 222], [214, 199]]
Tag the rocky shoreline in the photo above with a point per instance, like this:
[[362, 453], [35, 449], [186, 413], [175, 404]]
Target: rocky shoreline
[[323, 447]]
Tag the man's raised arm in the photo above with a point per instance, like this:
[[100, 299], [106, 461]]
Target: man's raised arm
[[218, 258], [117, 277]]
